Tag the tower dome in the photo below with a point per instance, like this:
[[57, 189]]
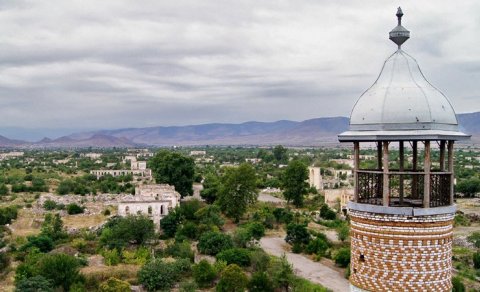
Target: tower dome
[[402, 103]]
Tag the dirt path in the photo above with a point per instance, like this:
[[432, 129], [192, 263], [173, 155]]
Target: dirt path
[[305, 267], [262, 197]]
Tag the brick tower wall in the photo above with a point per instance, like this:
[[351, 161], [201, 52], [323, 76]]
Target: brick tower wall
[[401, 253]]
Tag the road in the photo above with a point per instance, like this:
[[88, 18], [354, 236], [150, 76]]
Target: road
[[316, 272]]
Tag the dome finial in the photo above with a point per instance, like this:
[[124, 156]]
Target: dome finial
[[399, 34], [399, 15]]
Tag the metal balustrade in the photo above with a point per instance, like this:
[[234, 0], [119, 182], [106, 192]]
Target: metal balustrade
[[405, 188]]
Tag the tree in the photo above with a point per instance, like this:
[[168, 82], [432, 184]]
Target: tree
[[34, 284], [52, 227], [280, 154], [210, 215], [61, 269], [212, 242], [469, 187], [114, 285], [174, 169], [211, 187], [233, 279], [282, 273], [169, 223], [238, 191], [121, 231], [260, 282], [294, 182], [204, 274]]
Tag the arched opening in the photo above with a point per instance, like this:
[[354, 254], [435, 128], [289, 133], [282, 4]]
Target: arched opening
[[161, 210], [149, 210], [127, 210]]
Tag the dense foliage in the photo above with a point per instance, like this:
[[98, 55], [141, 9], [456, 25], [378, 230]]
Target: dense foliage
[[175, 169], [238, 191]]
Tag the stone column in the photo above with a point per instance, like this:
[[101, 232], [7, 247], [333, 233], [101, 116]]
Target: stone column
[[356, 154], [426, 180], [386, 182], [451, 170]]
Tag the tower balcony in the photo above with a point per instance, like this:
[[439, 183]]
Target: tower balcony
[[405, 188]]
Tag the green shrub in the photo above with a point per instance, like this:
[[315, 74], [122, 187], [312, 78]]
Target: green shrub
[[204, 274], [7, 214], [238, 256], [3, 189], [475, 239], [111, 257], [212, 243], [60, 268], [327, 213], [461, 220], [283, 215], [43, 242], [342, 257], [4, 261], [137, 257], [120, 231], [49, 205], [114, 285], [256, 230], [73, 209], [34, 284], [180, 250], [476, 260], [233, 279], [260, 260], [260, 282], [297, 233], [317, 246], [297, 247], [188, 286], [160, 275], [187, 230], [457, 284]]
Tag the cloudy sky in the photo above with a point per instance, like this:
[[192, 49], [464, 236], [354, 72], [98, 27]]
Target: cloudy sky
[[92, 64]]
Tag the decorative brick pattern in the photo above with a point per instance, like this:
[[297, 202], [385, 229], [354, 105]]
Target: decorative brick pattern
[[401, 253]]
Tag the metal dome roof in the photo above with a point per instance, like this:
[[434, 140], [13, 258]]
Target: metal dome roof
[[402, 104]]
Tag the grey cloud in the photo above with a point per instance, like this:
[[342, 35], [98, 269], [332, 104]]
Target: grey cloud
[[118, 63]]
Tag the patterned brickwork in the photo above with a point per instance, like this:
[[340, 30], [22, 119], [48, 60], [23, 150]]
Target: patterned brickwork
[[401, 253]]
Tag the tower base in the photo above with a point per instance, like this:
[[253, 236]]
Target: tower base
[[401, 249]]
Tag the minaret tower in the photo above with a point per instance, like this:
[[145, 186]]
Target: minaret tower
[[403, 209]]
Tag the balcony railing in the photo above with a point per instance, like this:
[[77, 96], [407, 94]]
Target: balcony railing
[[406, 188]]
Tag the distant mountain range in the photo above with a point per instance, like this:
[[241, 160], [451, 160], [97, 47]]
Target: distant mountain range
[[313, 132]]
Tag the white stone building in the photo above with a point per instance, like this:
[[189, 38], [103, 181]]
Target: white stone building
[[315, 178], [153, 201]]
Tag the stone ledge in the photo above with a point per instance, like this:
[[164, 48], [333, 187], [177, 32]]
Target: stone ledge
[[405, 211]]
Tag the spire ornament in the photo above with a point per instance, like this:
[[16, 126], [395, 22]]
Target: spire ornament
[[399, 34]]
